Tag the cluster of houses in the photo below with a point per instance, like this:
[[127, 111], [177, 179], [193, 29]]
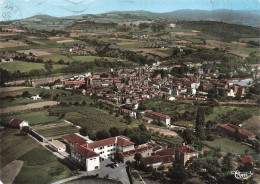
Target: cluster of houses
[[88, 154], [130, 86]]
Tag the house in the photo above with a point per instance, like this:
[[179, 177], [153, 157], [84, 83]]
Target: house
[[129, 155], [17, 123], [57, 146], [234, 132], [85, 157], [132, 114], [36, 97], [156, 161], [158, 116], [184, 153], [108, 147], [246, 159], [148, 120], [74, 140]]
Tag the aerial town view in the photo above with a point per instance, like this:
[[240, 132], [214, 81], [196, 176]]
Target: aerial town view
[[130, 91]]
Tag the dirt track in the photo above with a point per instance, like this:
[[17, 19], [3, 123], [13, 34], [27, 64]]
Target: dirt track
[[163, 131], [9, 89], [27, 107], [10, 171]]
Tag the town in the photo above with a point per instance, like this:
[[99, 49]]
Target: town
[[129, 97]]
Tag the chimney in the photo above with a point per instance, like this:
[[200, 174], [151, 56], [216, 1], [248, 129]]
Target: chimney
[[116, 139]]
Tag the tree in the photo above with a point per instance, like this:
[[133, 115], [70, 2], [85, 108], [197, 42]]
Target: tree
[[114, 131], [102, 134], [25, 130], [82, 131], [48, 67], [199, 123], [138, 157], [26, 94], [142, 127], [178, 173]]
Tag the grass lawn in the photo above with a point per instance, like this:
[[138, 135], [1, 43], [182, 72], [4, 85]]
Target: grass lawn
[[18, 101], [41, 166], [26, 66], [246, 50], [228, 145], [56, 131], [92, 58], [34, 117]]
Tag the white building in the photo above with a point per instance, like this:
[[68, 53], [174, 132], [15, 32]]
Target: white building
[[19, 123], [85, 157], [158, 116], [108, 147], [57, 146], [36, 97]]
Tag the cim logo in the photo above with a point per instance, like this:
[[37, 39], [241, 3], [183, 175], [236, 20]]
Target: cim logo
[[242, 175]]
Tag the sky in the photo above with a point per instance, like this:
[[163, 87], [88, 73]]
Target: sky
[[18, 9]]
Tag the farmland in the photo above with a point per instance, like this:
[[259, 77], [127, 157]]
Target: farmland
[[18, 101], [34, 117], [26, 66], [56, 131], [92, 58], [228, 145]]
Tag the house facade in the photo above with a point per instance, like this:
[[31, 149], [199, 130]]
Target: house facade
[[184, 153], [108, 147], [17, 123], [158, 116]]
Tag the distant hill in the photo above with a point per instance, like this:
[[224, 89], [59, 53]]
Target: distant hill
[[245, 17]]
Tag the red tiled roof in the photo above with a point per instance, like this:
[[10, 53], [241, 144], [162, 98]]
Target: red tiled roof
[[148, 119], [84, 152], [138, 150], [168, 151], [120, 140], [246, 159], [126, 111], [156, 148], [158, 159], [185, 149], [234, 128], [73, 138], [74, 83], [157, 114], [16, 122]]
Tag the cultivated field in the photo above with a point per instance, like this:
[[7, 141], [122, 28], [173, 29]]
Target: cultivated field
[[65, 41], [59, 131], [92, 58], [10, 171], [35, 52], [11, 43], [19, 108], [163, 131], [18, 101]]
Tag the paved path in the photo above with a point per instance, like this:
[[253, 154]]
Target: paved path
[[10, 171], [27, 107]]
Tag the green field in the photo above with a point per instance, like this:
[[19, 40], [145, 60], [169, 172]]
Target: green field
[[55, 57], [34, 117], [95, 122], [132, 46], [26, 66], [41, 166], [18, 101], [56, 131], [228, 145], [92, 58], [35, 91]]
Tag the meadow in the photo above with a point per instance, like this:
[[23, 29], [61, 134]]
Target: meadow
[[18, 101], [26, 66], [228, 146], [92, 58]]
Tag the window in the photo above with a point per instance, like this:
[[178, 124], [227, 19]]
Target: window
[[96, 167]]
